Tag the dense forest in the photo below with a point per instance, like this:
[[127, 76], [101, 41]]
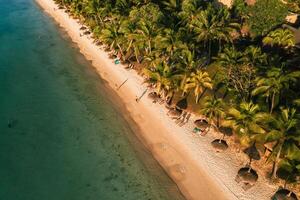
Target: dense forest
[[239, 65]]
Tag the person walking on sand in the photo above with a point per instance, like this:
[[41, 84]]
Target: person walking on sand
[[139, 98]]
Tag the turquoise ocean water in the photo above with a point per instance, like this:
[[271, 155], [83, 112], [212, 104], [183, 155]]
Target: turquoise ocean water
[[67, 138]]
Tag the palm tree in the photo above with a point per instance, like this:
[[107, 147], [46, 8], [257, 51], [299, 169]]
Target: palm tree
[[168, 42], [283, 131], [238, 73], [213, 25], [213, 109], [111, 36], [288, 170], [172, 6], [146, 33], [133, 48], [96, 11], [189, 9], [280, 37], [154, 59], [163, 78], [230, 57], [246, 121], [254, 56], [185, 59], [272, 85], [197, 81]]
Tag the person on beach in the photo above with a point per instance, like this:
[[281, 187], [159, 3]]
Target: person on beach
[[137, 99]]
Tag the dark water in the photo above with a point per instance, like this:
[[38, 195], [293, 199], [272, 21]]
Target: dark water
[[67, 139]]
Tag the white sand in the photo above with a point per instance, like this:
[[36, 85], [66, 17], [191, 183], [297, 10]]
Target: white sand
[[191, 162]]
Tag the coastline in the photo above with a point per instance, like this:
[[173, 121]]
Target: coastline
[[199, 172]]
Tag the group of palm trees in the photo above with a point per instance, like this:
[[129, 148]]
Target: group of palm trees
[[199, 49]]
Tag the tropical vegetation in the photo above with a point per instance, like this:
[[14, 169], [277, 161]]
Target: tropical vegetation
[[239, 65]]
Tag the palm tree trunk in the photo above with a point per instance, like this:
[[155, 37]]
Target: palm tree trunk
[[136, 56], [218, 121], [209, 51], [201, 95], [121, 51], [275, 165], [149, 45], [285, 182], [272, 103], [169, 102], [225, 94]]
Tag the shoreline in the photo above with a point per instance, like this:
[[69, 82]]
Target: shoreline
[[190, 161]]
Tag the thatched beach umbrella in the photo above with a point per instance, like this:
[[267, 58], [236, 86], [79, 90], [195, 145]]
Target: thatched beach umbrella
[[82, 28], [182, 104], [247, 176], [284, 194], [98, 43], [219, 145], [201, 123], [252, 152], [87, 32]]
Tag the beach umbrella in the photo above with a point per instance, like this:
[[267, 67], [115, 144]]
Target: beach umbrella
[[98, 43], [83, 28], [226, 131], [284, 194], [182, 104], [87, 33], [252, 152], [220, 145], [201, 123], [247, 174]]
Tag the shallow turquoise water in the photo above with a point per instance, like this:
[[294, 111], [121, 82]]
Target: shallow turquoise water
[[68, 140]]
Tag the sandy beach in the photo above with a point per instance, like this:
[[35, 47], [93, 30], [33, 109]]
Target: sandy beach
[[199, 171]]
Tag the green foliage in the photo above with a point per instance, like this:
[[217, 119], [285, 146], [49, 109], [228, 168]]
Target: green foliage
[[239, 8], [213, 109], [149, 13], [289, 170], [266, 15], [247, 121], [171, 42], [212, 25], [294, 5], [280, 37], [197, 81]]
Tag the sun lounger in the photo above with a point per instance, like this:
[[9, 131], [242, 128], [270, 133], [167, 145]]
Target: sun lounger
[[188, 118], [182, 122], [196, 130]]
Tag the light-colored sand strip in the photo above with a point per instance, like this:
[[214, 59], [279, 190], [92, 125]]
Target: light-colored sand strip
[[191, 162]]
